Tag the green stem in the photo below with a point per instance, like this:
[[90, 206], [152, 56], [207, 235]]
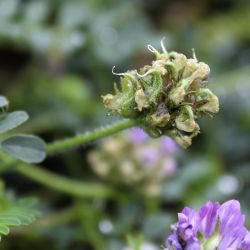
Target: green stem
[[7, 165], [88, 218], [78, 140], [55, 219], [63, 184]]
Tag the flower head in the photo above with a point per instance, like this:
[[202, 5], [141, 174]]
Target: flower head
[[133, 159], [167, 97], [214, 227]]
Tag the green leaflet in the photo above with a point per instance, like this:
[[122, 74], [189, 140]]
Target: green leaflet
[[27, 148], [17, 213], [12, 120]]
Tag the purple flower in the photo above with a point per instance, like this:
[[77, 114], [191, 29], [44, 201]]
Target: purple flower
[[138, 136], [209, 216], [169, 145], [174, 242], [233, 238], [169, 166], [188, 223], [148, 156], [154, 155], [230, 216], [214, 227]]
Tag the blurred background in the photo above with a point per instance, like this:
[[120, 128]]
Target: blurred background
[[56, 58]]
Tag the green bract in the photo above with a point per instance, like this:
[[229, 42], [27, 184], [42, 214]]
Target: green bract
[[167, 97]]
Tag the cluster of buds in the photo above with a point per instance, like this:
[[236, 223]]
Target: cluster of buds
[[133, 159], [167, 97]]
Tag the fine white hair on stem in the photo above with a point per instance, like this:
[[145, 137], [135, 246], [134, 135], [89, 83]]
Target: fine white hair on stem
[[194, 55], [117, 74], [145, 74], [152, 49], [163, 46]]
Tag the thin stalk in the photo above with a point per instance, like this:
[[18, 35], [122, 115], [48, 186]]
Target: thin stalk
[[55, 219], [63, 184], [66, 144], [88, 217]]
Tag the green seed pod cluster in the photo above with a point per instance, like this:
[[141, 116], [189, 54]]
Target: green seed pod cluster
[[167, 97]]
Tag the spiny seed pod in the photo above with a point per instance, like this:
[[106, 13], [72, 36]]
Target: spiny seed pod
[[167, 97]]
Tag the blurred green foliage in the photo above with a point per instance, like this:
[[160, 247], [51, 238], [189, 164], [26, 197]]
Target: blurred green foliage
[[55, 62]]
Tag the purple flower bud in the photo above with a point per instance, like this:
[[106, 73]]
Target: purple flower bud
[[169, 145], [148, 156], [188, 224], [138, 136], [169, 166], [174, 242]]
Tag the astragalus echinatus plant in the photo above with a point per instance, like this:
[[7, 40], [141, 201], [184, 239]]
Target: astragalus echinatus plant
[[165, 98]]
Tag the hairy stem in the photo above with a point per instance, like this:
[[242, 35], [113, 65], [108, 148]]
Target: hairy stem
[[60, 183], [66, 144]]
